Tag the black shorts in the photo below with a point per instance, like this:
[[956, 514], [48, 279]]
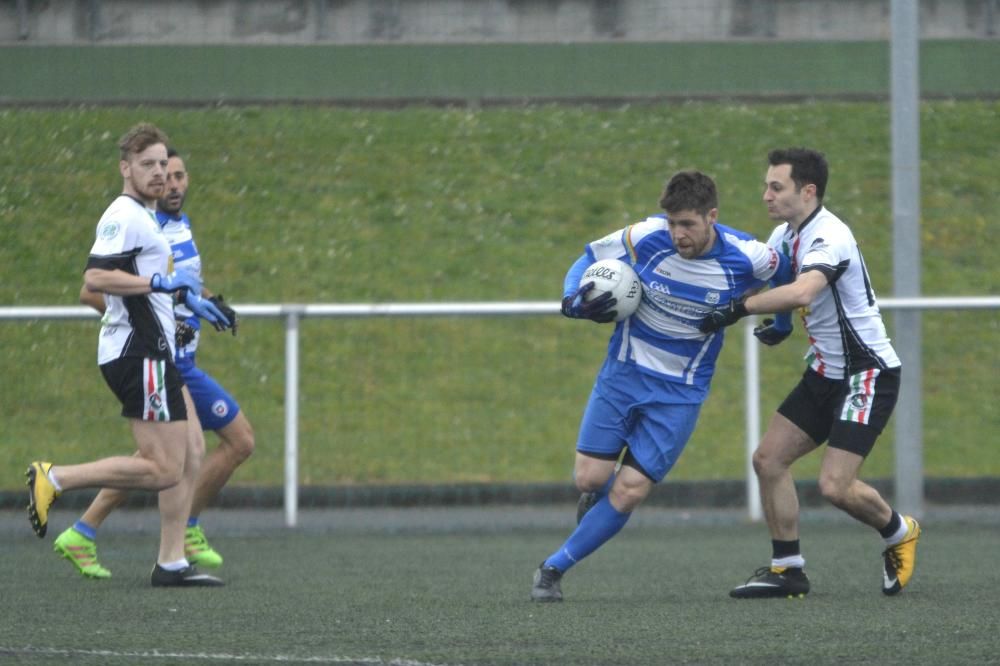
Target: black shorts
[[149, 389], [850, 413]]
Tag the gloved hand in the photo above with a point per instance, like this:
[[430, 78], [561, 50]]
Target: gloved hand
[[773, 331], [219, 301], [183, 334], [206, 309], [179, 279], [727, 315], [598, 310]]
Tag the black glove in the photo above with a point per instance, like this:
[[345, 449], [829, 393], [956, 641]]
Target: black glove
[[598, 309], [184, 333], [727, 315], [219, 301], [772, 332]]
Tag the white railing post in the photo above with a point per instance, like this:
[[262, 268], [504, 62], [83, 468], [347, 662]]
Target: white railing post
[[751, 362], [291, 417]]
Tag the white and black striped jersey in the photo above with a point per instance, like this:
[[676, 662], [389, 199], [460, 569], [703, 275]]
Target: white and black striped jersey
[[130, 239], [845, 328]]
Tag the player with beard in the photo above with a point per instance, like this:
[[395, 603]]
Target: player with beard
[[217, 410], [131, 266], [647, 396]]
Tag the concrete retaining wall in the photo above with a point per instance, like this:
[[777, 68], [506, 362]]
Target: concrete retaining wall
[[242, 22]]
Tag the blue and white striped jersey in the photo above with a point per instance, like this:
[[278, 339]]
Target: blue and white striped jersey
[[177, 229], [662, 337]]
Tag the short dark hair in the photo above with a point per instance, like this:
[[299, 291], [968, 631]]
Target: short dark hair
[[689, 190], [808, 166], [139, 138], [172, 152]]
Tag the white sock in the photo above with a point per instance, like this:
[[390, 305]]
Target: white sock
[[790, 562], [900, 534], [175, 566], [51, 475]]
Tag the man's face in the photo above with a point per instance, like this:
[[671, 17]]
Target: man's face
[[145, 173], [784, 201], [176, 188], [693, 233]]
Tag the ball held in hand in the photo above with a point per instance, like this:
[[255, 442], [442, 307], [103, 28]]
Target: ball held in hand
[[617, 278]]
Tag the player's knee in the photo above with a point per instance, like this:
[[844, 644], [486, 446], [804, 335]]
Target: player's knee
[[167, 474], [833, 490], [765, 464], [240, 445], [626, 497], [589, 480]]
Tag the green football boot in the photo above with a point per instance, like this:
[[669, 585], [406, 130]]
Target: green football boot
[[82, 552], [198, 551]]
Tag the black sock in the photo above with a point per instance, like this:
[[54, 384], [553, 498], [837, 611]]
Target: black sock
[[782, 549], [892, 527]]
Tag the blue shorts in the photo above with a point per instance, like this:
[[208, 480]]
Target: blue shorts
[[216, 408], [645, 413]]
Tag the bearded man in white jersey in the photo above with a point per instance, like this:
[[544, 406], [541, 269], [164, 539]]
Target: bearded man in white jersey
[[848, 391], [216, 409], [130, 263]]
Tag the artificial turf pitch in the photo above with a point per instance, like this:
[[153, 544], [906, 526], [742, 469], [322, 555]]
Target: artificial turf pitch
[[654, 595]]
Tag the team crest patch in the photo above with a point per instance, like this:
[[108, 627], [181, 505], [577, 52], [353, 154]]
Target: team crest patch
[[712, 298], [108, 230], [220, 408], [859, 401]]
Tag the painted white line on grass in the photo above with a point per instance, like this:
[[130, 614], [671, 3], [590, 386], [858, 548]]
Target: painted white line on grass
[[32, 650]]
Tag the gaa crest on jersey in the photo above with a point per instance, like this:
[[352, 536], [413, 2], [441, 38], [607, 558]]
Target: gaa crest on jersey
[[220, 408], [109, 230]]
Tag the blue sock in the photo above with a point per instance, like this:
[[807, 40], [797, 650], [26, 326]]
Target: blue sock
[[600, 524], [193, 521], [85, 529]]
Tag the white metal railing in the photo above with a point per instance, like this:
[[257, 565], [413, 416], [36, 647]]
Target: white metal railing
[[292, 313]]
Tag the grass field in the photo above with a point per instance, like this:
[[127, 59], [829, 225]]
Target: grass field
[[402, 588], [318, 204]]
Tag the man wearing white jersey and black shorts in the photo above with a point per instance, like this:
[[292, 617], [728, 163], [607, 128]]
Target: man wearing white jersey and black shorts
[[130, 263], [848, 390]]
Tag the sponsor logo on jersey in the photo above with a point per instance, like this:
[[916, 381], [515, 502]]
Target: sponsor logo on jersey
[[659, 287], [108, 230]]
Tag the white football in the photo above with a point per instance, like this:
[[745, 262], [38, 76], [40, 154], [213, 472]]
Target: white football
[[618, 278]]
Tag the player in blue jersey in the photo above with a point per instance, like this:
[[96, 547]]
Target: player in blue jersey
[[217, 410], [646, 399]]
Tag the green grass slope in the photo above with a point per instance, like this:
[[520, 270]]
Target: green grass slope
[[316, 204]]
